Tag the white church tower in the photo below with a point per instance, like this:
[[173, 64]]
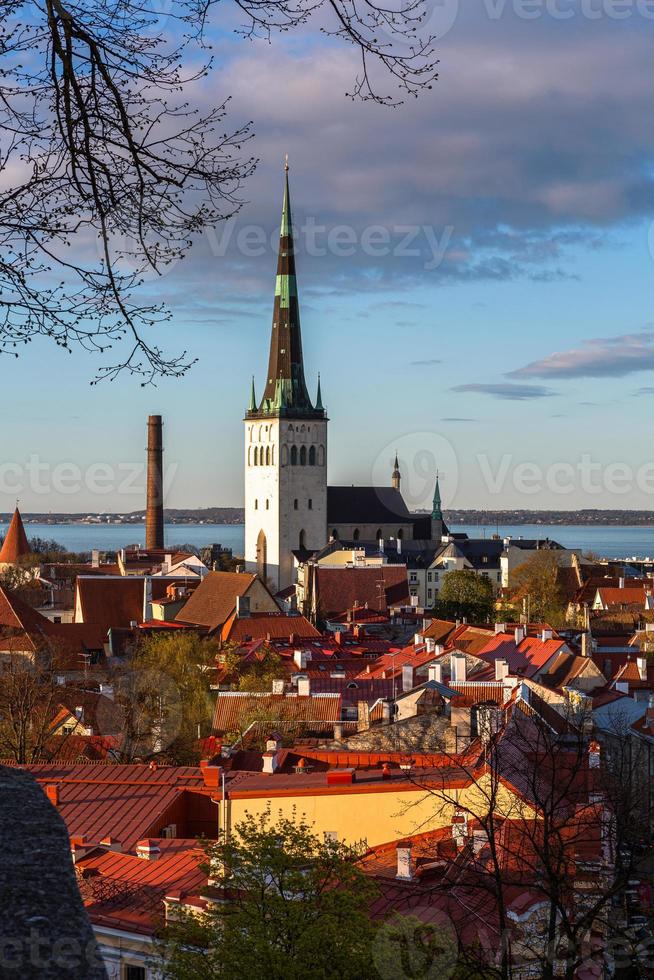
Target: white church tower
[[285, 442]]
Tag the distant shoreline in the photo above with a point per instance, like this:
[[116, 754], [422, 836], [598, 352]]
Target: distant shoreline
[[234, 516]]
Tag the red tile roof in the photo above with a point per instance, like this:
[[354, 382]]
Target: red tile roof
[[124, 802], [339, 589], [126, 891], [111, 601], [528, 657], [15, 544], [267, 625], [235, 710], [214, 600]]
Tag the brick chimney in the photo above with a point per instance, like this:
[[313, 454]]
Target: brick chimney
[[154, 515], [148, 850], [404, 862], [52, 792]]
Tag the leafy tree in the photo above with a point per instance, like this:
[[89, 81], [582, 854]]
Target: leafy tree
[[259, 675], [163, 690], [536, 587], [104, 153], [465, 594], [29, 696], [296, 907]]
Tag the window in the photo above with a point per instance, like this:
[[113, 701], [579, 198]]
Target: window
[[378, 534], [267, 505], [303, 456], [255, 457], [256, 505], [310, 503], [400, 534], [312, 456], [134, 972], [335, 533], [267, 455], [56, 619], [293, 455], [429, 591], [303, 540], [295, 503], [429, 576], [484, 559], [356, 534]]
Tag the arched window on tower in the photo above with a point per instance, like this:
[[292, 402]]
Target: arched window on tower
[[255, 456], [400, 534], [321, 455], [378, 534], [303, 456], [262, 556], [293, 455], [312, 456], [267, 455], [335, 534], [284, 455], [256, 505], [303, 540], [355, 536]]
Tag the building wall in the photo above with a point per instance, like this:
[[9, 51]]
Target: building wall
[[379, 817], [282, 500], [368, 532]]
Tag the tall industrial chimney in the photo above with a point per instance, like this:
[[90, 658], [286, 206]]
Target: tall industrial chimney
[[154, 516]]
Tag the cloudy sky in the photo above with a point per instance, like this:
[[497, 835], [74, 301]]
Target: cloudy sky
[[475, 272]]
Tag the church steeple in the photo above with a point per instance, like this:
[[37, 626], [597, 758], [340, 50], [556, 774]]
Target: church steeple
[[437, 513], [286, 392], [396, 476]]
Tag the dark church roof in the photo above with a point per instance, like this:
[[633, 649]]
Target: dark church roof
[[366, 505], [374, 505]]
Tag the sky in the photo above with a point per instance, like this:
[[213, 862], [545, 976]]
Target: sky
[[475, 275]]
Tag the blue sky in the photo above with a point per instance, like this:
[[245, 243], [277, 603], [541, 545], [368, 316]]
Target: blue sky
[[519, 326]]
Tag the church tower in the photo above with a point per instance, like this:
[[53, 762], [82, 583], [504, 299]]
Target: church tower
[[396, 476], [285, 441], [437, 523]]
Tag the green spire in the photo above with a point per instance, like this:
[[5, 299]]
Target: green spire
[[286, 229], [319, 404], [437, 513], [253, 398]]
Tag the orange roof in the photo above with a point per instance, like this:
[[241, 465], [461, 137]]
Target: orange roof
[[234, 708], [214, 600], [627, 596], [124, 802], [110, 601], [15, 545], [264, 625], [124, 890]]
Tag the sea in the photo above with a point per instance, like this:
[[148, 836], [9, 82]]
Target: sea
[[607, 541]]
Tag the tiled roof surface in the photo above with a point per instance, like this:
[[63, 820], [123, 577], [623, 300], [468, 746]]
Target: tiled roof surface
[[15, 544], [340, 589], [264, 625], [127, 891], [528, 656], [235, 709], [366, 505], [214, 600], [123, 802], [110, 602]]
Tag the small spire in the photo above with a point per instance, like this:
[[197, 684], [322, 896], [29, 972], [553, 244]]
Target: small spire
[[286, 163], [253, 398], [396, 476], [319, 405], [437, 513]]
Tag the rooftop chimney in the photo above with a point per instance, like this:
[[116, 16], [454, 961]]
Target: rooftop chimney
[[435, 672], [154, 516], [642, 667], [303, 685], [148, 850], [52, 792], [519, 635], [407, 677], [501, 670], [404, 862]]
